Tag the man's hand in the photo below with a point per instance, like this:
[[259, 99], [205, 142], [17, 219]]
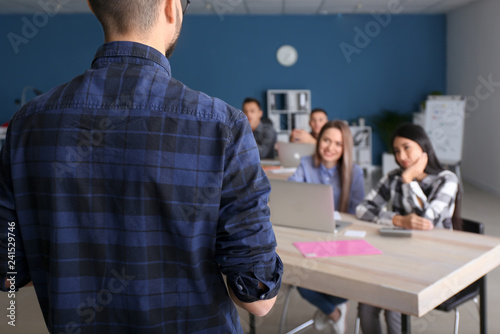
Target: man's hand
[[301, 136], [7, 284], [413, 222]]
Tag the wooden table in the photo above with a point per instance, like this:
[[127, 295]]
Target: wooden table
[[412, 276]]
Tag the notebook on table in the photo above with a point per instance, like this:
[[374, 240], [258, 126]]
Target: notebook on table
[[303, 205]]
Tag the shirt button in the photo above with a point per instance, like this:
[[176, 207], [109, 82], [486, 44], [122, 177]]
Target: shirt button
[[239, 287], [262, 297]]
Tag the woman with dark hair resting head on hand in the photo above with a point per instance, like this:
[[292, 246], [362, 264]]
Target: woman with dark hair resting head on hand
[[423, 196]]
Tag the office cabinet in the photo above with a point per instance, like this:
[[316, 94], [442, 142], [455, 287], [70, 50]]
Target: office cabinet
[[288, 109]]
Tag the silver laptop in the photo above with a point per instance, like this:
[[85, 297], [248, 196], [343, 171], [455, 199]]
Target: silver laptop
[[291, 153], [303, 205]]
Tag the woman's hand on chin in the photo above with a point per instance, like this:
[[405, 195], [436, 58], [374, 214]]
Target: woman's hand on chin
[[416, 170]]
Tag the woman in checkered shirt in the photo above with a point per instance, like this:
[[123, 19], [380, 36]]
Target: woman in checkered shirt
[[419, 195]]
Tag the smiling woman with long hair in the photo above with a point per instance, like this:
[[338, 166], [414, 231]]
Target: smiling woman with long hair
[[332, 164]]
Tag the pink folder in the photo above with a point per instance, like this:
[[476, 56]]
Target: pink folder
[[336, 248]]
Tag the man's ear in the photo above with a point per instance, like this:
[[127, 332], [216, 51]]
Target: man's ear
[[170, 10]]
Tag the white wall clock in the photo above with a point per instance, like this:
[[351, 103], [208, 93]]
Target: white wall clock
[[287, 55]]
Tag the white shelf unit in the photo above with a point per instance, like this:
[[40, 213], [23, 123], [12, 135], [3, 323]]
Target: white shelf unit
[[288, 109], [362, 145]]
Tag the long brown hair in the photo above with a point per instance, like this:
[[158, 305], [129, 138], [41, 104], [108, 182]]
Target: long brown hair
[[345, 162]]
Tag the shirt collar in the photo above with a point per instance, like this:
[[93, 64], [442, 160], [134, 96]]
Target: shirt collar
[[130, 52]]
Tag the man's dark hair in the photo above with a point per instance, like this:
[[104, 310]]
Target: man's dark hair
[[319, 110], [118, 16], [251, 99]]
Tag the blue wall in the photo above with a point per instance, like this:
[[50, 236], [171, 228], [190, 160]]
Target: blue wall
[[54, 53], [234, 57]]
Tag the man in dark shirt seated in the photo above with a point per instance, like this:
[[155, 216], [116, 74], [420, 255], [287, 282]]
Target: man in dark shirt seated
[[262, 129]]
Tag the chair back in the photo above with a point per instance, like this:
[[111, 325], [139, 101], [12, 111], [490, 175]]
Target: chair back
[[472, 226], [472, 290]]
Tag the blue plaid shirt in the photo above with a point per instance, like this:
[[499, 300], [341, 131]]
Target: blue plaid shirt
[[124, 195]]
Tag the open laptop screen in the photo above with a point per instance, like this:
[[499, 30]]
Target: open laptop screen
[[302, 205], [291, 153]]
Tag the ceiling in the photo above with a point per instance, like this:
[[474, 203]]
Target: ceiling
[[257, 7]]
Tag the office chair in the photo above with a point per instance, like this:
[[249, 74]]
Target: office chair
[[283, 315], [470, 292]]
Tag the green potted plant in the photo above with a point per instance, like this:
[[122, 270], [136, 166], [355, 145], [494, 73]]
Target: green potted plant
[[385, 123]]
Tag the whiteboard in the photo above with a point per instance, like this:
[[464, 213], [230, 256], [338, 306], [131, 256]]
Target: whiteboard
[[444, 123]]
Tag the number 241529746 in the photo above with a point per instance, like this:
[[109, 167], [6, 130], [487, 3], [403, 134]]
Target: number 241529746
[[11, 246]]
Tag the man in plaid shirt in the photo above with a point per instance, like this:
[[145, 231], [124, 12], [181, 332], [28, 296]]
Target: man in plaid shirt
[[125, 195]]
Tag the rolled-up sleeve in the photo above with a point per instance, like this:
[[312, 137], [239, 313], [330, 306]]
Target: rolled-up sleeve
[[439, 206], [246, 245]]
